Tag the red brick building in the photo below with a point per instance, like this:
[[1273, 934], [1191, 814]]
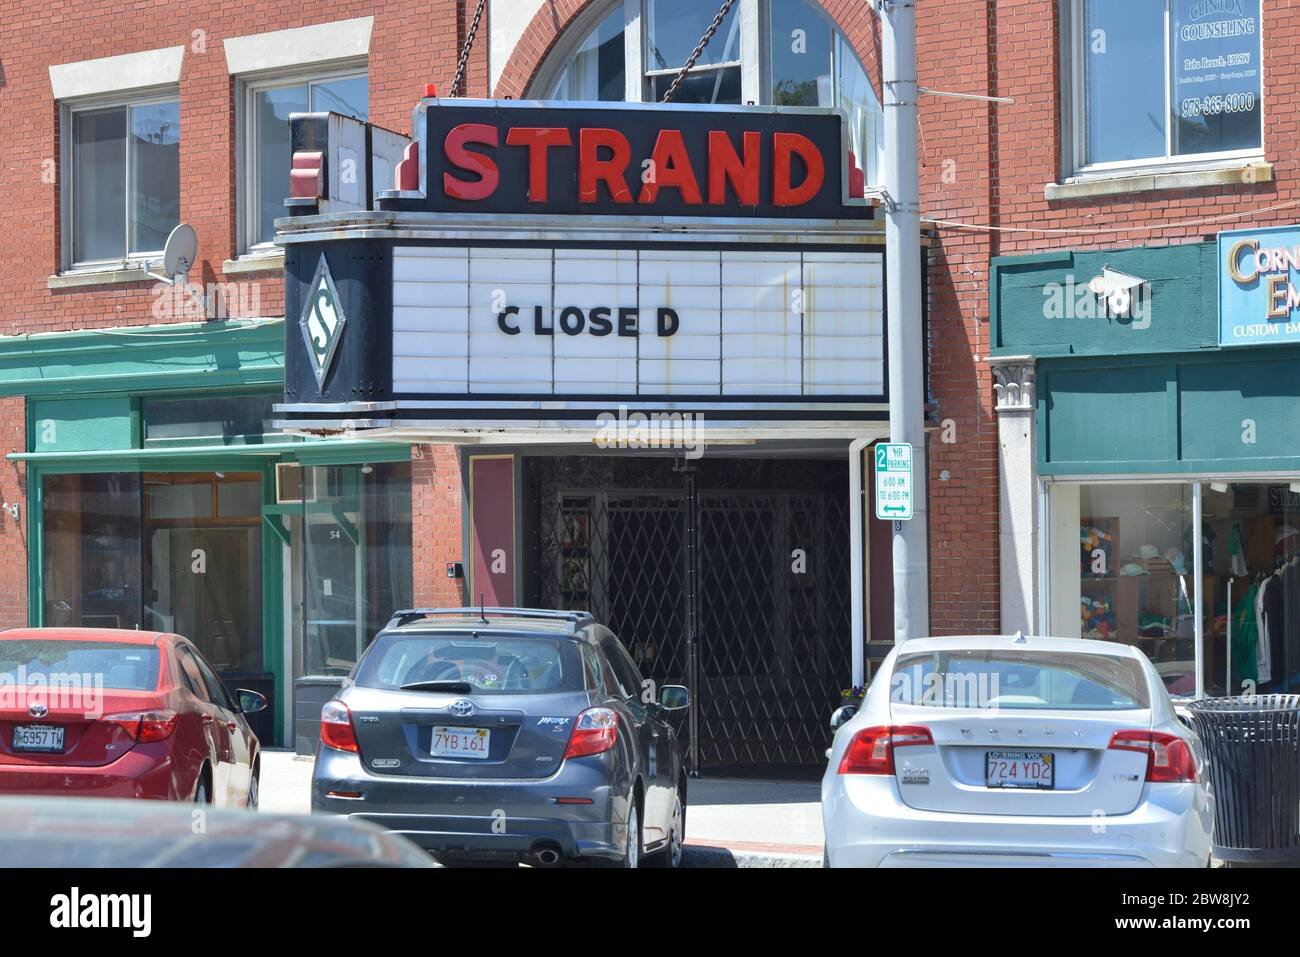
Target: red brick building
[[139, 422]]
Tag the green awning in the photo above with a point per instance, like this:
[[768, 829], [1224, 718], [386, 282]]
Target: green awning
[[308, 452], [191, 355]]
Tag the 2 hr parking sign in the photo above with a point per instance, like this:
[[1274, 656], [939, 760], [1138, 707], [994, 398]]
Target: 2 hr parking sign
[[893, 481]]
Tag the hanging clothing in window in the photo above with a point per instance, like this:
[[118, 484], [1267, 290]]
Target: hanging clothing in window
[[1245, 636], [1263, 657], [1237, 552]]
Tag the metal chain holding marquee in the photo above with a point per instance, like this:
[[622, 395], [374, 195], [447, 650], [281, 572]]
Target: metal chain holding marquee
[[464, 50], [699, 49]]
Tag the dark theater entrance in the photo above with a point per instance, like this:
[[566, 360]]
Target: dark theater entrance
[[728, 575]]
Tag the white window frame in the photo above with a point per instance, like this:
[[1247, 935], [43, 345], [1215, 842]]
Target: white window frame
[[68, 109], [754, 60], [248, 86], [1076, 128]]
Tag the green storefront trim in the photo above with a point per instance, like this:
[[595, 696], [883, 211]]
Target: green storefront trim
[[1220, 412], [93, 386], [204, 356], [1181, 283]]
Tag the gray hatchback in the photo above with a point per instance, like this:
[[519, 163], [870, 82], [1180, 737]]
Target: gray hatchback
[[509, 734]]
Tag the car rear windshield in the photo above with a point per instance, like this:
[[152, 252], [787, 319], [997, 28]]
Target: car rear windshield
[[488, 664], [121, 666], [1019, 680]]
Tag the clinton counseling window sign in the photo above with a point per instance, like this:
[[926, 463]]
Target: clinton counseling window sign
[[1214, 59], [1259, 286]]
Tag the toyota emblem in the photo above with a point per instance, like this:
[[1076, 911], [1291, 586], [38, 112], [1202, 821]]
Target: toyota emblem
[[38, 710], [462, 708]]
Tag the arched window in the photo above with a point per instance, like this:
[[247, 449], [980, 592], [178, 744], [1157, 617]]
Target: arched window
[[771, 52]]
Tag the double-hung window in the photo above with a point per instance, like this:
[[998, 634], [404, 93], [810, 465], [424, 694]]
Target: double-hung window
[[1165, 82], [267, 155], [673, 28], [123, 192]]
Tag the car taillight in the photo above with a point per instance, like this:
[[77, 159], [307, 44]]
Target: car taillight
[[595, 731], [145, 726], [872, 749], [1169, 759], [336, 729]]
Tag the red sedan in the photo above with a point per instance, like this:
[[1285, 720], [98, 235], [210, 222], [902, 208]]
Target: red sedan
[[109, 713]]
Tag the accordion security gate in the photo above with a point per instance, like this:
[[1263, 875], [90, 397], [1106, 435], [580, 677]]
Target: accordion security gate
[[742, 595]]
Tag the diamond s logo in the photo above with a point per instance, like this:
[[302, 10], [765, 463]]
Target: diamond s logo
[[322, 321]]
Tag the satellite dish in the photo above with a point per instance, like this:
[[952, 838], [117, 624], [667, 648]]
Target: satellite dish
[[181, 250]]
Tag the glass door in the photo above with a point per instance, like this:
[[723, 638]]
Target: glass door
[[203, 563], [333, 591]]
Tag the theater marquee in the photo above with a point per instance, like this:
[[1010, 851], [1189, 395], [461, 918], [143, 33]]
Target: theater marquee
[[541, 265]]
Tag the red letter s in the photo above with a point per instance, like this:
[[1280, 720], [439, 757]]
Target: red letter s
[[486, 169]]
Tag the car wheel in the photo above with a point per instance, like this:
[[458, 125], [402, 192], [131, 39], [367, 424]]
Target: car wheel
[[632, 847], [671, 856], [253, 788]]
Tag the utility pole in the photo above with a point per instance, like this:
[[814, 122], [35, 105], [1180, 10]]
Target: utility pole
[[902, 204]]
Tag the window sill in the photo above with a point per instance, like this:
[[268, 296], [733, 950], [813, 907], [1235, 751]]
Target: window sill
[[113, 275], [1087, 185], [258, 262]]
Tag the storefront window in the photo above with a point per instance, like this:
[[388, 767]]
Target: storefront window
[[203, 563], [1123, 571], [1131, 578], [1252, 554], [357, 559], [91, 550], [244, 419]]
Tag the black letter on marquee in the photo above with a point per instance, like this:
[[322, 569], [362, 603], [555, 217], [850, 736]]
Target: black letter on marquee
[[668, 321], [599, 319], [567, 313], [627, 322], [505, 326], [538, 328]]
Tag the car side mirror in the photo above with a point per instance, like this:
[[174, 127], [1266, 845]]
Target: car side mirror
[[674, 697], [842, 715], [250, 702]]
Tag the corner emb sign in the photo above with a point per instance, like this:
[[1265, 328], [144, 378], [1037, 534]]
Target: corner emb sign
[[893, 481], [322, 322]]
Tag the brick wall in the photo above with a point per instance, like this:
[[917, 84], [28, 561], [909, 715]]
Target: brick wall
[[436, 524], [981, 164], [411, 44], [13, 532]]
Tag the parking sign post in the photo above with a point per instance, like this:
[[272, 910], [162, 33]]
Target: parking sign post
[[902, 206], [893, 481]]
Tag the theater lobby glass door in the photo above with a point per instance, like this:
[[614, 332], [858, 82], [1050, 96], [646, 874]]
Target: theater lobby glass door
[[203, 563]]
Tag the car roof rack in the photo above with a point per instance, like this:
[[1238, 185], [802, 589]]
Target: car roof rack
[[576, 619]]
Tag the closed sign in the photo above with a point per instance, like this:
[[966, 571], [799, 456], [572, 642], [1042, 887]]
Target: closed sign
[[626, 322]]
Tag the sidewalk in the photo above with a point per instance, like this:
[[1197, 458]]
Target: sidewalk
[[730, 822], [738, 822]]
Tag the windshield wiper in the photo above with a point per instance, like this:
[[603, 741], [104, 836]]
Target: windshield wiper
[[464, 687]]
